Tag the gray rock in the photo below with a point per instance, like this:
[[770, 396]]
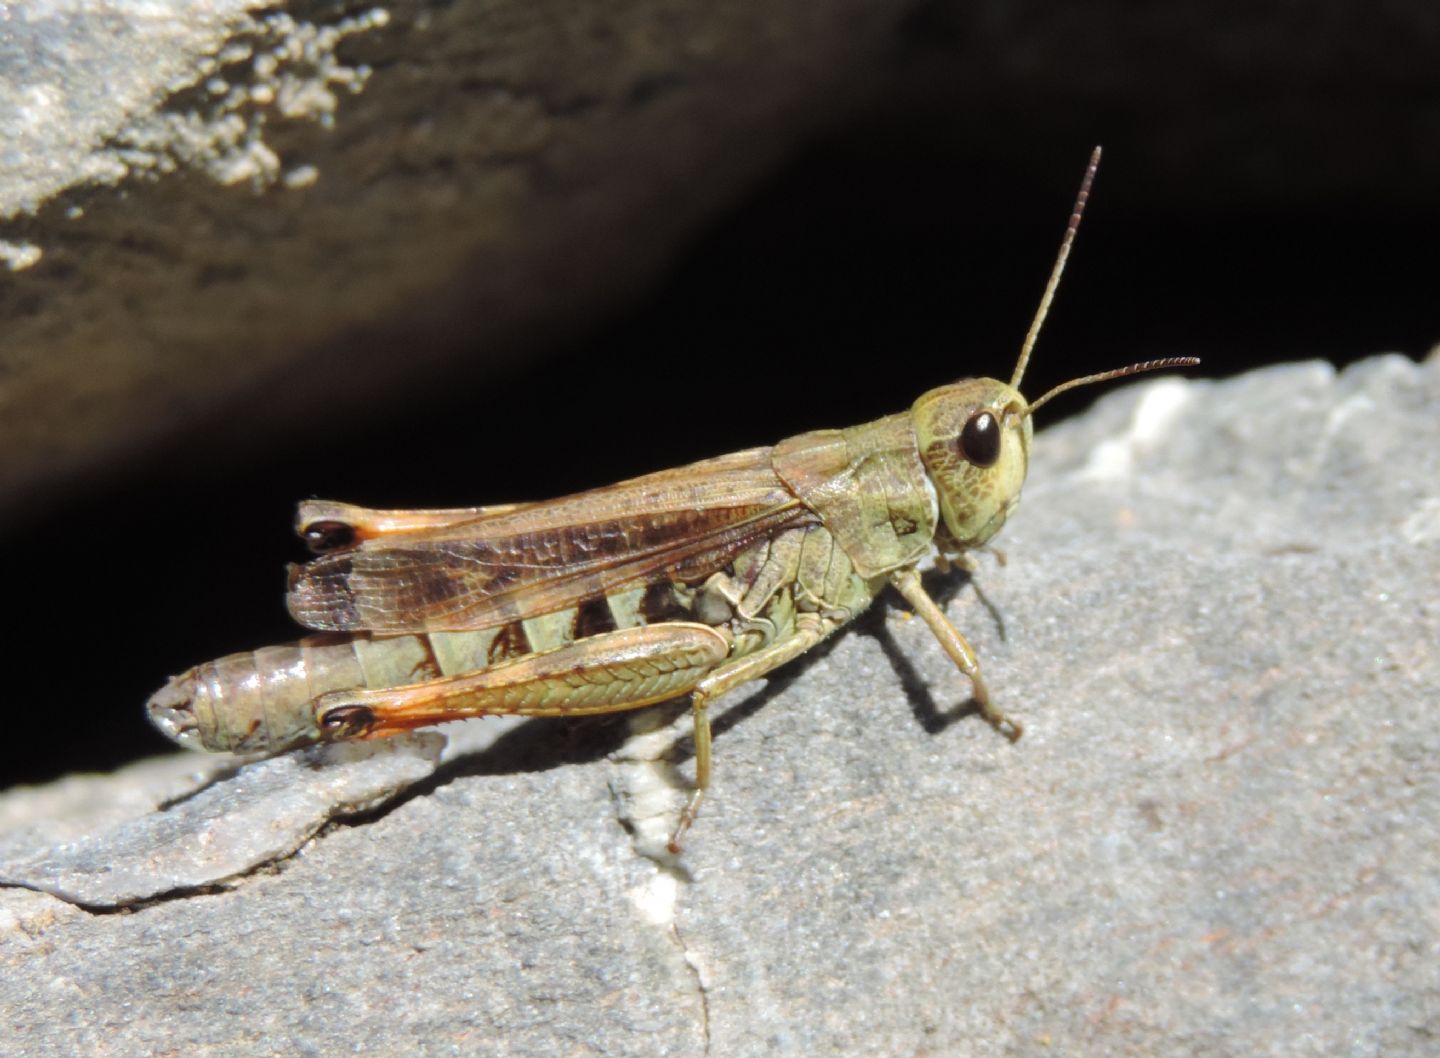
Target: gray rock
[[1218, 835], [230, 822]]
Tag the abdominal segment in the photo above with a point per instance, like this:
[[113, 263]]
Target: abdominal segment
[[261, 701]]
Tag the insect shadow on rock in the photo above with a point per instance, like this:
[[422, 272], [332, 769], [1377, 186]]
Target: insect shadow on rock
[[944, 586]]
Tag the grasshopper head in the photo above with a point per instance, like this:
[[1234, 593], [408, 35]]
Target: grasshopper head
[[974, 438]]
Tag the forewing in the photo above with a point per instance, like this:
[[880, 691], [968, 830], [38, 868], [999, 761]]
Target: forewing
[[538, 558]]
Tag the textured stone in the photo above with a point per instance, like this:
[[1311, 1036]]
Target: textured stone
[[1218, 835], [236, 817], [281, 213]]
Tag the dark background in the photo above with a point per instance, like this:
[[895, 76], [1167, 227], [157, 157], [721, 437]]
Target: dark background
[[886, 259]]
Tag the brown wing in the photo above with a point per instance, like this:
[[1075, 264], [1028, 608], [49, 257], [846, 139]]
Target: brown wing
[[538, 558]]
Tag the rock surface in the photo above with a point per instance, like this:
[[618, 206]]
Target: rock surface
[[1219, 834], [219, 202]]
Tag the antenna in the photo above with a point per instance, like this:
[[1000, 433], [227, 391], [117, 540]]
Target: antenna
[[1054, 282], [1119, 372]]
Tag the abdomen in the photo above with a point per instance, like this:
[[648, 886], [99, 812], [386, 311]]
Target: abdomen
[[260, 701]]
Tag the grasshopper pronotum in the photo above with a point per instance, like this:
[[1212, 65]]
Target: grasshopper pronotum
[[689, 581]]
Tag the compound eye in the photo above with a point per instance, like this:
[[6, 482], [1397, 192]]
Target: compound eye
[[979, 441]]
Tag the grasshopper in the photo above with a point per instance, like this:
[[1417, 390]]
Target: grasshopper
[[688, 581]]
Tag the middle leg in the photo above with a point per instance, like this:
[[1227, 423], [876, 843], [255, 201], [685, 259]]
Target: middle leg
[[809, 630]]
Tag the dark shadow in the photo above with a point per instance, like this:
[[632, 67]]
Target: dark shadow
[[748, 705], [943, 587], [537, 745]]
